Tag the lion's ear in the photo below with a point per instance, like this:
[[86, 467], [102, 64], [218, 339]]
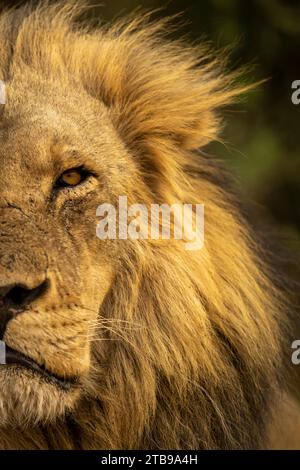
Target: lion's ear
[[160, 89]]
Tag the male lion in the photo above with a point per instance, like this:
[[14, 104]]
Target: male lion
[[125, 344]]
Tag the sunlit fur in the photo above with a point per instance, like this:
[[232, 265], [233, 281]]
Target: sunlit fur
[[188, 345]]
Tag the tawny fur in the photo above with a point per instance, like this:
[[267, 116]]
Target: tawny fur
[[187, 351]]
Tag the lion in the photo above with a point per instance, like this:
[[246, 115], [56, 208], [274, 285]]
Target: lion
[[127, 344]]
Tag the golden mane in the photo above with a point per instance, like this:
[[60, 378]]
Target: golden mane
[[199, 361]]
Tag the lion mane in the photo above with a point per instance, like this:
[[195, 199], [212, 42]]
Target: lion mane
[[194, 357]]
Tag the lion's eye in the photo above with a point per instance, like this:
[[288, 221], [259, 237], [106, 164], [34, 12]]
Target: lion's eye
[[72, 177]]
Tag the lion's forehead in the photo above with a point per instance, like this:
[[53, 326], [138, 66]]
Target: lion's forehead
[[37, 130]]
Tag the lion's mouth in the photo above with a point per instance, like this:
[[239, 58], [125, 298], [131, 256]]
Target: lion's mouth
[[14, 357]]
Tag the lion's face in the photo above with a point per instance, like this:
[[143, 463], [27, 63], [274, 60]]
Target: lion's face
[[54, 271], [128, 343]]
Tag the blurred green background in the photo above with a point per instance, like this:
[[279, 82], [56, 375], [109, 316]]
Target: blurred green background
[[263, 132]]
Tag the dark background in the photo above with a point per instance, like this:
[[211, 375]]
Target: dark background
[[263, 133]]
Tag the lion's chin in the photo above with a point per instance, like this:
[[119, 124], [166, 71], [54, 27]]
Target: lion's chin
[[26, 398]]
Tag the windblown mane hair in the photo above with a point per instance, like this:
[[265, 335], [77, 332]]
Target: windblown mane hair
[[199, 361]]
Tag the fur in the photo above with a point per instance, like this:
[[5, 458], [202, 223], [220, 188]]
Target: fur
[[186, 350]]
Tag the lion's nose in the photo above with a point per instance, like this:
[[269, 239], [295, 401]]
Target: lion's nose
[[14, 298], [20, 295]]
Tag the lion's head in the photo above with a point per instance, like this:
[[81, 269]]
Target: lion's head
[[140, 343]]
